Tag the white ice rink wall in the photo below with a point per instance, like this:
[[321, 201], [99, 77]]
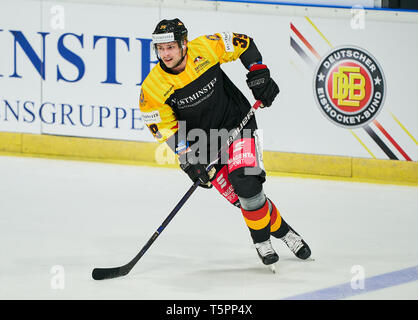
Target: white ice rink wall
[[71, 71]]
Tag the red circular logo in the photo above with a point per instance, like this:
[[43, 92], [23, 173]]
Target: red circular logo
[[349, 87]]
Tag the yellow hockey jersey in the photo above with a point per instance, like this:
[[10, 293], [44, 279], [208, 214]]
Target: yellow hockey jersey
[[202, 95]]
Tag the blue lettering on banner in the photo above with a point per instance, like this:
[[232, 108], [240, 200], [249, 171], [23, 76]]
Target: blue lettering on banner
[[67, 115], [145, 58], [30, 112], [71, 57], [117, 116], [33, 46], [101, 117], [136, 110], [41, 115], [39, 59], [111, 56], [81, 116], [39, 64], [9, 107]]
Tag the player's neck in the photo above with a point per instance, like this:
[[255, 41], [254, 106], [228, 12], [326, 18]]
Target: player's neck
[[180, 68]]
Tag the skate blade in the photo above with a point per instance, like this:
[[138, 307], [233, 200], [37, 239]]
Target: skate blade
[[272, 267]]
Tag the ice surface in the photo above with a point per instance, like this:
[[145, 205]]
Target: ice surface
[[81, 215]]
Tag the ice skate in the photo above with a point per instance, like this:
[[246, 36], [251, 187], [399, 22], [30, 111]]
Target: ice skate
[[266, 253], [296, 244]]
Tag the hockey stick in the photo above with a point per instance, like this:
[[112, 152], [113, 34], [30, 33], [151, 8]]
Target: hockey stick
[[109, 273]]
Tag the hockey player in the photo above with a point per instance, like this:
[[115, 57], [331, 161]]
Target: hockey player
[[187, 90]]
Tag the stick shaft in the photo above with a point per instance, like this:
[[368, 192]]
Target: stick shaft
[[165, 223]]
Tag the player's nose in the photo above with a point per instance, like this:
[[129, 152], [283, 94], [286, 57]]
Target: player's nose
[[165, 54]]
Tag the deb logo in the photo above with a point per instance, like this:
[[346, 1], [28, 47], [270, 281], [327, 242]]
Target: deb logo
[[349, 87]]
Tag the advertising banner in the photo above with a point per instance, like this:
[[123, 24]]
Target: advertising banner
[[348, 86]]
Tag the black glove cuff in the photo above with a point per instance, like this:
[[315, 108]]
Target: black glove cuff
[[185, 166]]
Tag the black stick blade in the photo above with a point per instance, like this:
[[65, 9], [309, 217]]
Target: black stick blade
[[109, 273]]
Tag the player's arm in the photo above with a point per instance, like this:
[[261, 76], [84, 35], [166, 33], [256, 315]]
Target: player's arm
[[157, 116], [163, 124], [236, 45], [229, 46]]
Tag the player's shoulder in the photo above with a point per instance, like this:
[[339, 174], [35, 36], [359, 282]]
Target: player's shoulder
[[154, 76], [207, 39], [156, 81], [222, 39], [154, 88]]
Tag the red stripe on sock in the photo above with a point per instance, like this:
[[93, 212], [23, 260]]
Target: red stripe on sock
[[256, 214]]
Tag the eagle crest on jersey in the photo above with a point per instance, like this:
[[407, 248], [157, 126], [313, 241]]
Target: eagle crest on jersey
[[193, 94]]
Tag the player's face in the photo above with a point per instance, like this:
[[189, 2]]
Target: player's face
[[170, 53]]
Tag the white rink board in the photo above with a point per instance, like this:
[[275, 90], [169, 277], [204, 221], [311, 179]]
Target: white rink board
[[109, 110]]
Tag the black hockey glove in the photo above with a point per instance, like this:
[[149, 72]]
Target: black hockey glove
[[262, 85], [198, 172]]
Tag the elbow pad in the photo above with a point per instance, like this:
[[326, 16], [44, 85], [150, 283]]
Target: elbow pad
[[251, 55]]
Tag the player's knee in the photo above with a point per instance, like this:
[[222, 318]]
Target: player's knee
[[246, 186], [254, 202]]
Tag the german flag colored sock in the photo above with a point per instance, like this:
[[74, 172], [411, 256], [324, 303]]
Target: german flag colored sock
[[258, 222], [278, 227]]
